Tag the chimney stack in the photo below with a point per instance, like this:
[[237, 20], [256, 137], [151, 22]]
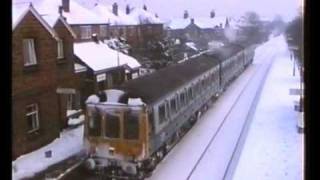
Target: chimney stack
[[128, 9], [60, 10], [192, 21], [115, 9], [212, 14], [185, 14], [66, 5]]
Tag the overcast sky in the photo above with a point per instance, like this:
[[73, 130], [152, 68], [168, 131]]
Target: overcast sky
[[174, 8], [167, 9]]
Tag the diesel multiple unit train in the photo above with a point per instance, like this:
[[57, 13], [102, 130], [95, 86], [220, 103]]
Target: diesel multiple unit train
[[129, 129]]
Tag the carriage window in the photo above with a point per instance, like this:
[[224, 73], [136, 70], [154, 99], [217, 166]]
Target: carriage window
[[173, 105], [131, 125], [182, 99], [190, 94], [94, 123], [112, 125], [162, 113]]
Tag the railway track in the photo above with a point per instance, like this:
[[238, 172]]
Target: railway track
[[229, 169]]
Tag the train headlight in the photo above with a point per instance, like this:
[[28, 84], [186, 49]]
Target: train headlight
[[111, 151], [90, 164]]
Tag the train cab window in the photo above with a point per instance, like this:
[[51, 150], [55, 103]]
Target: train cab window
[[131, 125], [94, 123], [112, 125], [162, 113]]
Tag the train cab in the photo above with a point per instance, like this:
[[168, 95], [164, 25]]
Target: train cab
[[115, 133]]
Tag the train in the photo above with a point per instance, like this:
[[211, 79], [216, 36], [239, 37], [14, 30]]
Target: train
[[130, 128]]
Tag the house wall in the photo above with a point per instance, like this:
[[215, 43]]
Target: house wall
[[36, 84]]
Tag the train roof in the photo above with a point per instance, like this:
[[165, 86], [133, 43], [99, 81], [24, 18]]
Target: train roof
[[153, 86], [225, 51]]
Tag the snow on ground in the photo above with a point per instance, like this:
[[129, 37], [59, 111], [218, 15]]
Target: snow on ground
[[69, 143], [273, 149], [76, 121]]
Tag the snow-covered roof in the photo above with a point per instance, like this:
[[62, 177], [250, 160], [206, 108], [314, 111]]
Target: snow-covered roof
[[79, 68], [100, 56], [144, 17], [201, 22], [48, 20], [192, 45], [209, 22], [19, 11], [105, 11], [77, 14], [178, 23]]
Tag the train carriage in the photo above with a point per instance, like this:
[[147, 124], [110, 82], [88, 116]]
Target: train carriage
[[130, 128]]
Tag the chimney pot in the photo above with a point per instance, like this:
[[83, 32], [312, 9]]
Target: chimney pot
[[186, 14], [115, 9], [128, 9], [192, 20]]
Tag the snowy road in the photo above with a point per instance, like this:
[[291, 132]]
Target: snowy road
[[206, 151]]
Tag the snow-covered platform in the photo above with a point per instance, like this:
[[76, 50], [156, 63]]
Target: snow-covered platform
[[273, 149], [210, 149]]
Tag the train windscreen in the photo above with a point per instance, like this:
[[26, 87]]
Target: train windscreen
[[131, 125], [112, 125]]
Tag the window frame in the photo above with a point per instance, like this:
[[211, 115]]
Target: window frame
[[32, 113], [125, 127], [85, 32], [106, 116], [29, 52], [60, 49], [162, 118], [103, 30]]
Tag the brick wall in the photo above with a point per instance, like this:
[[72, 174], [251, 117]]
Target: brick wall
[[36, 84]]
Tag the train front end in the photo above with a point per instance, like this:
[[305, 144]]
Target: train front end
[[115, 136]]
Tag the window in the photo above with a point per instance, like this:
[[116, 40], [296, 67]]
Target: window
[[32, 115], [85, 32], [162, 113], [109, 80], [70, 100], [101, 85], [112, 125], [29, 52], [94, 122], [182, 99], [131, 125], [173, 105], [60, 49], [103, 30], [190, 94]]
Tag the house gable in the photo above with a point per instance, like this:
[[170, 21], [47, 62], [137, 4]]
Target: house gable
[[34, 13]]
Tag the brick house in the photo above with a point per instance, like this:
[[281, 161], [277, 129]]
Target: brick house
[[200, 30], [42, 65]]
